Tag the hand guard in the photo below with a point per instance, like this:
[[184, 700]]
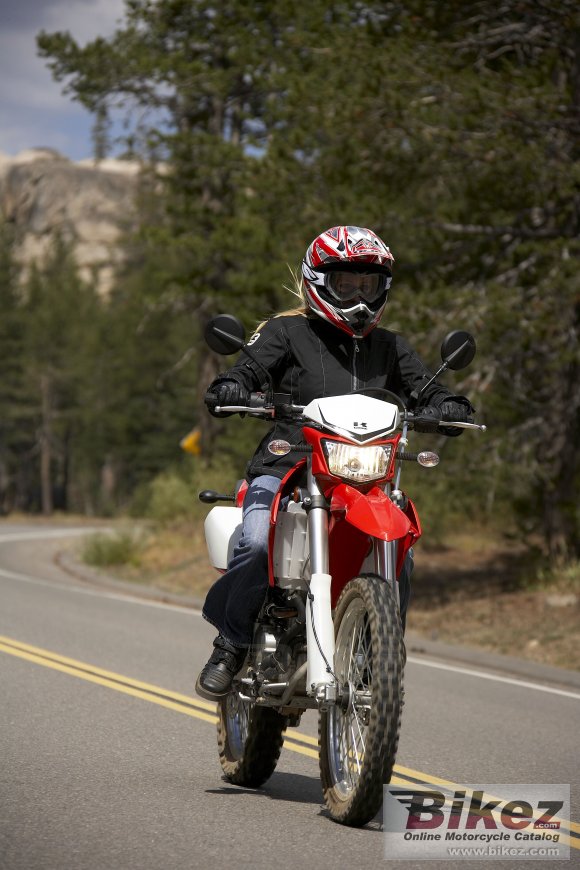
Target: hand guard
[[225, 393]]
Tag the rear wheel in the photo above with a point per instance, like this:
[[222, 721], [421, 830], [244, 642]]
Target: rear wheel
[[359, 737], [250, 740]]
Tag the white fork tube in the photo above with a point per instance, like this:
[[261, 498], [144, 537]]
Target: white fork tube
[[319, 625]]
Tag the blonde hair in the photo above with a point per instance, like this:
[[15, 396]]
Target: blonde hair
[[296, 287]]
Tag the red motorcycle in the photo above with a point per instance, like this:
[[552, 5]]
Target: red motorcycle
[[329, 634]]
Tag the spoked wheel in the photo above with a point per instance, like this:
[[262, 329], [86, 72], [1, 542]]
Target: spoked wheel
[[360, 734], [250, 740]]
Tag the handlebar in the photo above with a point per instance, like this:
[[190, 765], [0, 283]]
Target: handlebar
[[257, 407]]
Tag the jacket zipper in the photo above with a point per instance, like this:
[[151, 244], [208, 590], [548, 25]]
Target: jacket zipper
[[355, 353]]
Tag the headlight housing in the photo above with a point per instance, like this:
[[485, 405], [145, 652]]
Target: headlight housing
[[360, 464]]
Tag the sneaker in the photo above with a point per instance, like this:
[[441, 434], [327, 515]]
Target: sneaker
[[216, 677]]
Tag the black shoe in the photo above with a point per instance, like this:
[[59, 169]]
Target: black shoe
[[215, 679]]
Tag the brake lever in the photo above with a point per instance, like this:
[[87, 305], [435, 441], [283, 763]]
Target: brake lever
[[480, 426]]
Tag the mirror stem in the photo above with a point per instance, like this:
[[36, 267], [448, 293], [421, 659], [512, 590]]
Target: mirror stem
[[415, 396]]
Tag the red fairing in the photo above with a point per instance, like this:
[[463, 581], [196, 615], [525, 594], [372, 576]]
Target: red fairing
[[348, 547]]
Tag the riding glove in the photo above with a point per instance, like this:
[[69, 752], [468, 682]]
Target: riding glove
[[226, 392], [457, 409]]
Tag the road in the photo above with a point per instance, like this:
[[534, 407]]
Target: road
[[108, 759]]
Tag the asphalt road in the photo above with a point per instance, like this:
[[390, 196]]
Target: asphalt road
[[109, 760]]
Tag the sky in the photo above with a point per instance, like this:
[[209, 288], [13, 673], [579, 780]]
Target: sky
[[34, 113]]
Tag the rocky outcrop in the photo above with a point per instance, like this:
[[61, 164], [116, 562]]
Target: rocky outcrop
[[90, 204]]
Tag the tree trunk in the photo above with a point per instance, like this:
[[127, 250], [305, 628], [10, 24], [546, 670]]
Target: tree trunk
[[45, 446], [209, 366]]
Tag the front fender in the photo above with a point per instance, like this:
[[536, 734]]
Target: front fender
[[372, 512]]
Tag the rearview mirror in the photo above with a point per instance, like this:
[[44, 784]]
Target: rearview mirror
[[225, 334], [458, 349]]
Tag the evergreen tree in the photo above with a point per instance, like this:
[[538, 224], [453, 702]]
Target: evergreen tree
[[450, 129]]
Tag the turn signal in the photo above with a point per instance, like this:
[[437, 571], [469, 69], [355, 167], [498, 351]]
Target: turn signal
[[428, 459], [279, 448]]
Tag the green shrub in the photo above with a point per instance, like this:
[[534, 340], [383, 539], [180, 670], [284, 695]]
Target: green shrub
[[119, 548], [169, 497], [173, 494]]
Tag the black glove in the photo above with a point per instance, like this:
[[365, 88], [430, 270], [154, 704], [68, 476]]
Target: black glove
[[225, 393], [458, 412], [457, 409], [427, 419]]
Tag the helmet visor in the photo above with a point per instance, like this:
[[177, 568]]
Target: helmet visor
[[347, 287]]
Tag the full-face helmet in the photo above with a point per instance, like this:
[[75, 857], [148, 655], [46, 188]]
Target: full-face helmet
[[347, 272]]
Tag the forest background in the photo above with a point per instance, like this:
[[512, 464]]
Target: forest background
[[452, 130]]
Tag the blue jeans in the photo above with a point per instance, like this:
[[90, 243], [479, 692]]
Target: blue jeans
[[234, 601]]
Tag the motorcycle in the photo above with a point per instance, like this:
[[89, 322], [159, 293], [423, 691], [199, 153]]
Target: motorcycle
[[329, 634]]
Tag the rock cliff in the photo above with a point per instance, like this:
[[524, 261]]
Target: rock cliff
[[89, 204]]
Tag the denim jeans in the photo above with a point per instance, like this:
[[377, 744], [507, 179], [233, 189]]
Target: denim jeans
[[234, 601]]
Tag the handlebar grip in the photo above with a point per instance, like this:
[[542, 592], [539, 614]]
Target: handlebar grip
[[210, 399]]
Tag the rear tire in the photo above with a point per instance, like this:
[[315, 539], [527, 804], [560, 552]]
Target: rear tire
[[250, 740], [359, 740]]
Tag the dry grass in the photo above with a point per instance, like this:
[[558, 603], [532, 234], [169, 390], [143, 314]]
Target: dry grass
[[487, 594], [173, 559]]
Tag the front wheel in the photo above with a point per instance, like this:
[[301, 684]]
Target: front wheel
[[359, 736], [250, 740]]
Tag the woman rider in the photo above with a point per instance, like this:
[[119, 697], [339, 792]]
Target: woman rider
[[328, 347]]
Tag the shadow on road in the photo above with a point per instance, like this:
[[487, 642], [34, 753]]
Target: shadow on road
[[290, 787], [282, 786]]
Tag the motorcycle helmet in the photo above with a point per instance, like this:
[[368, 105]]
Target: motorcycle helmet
[[347, 272]]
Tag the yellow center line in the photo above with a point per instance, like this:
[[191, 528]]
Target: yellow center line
[[199, 709]]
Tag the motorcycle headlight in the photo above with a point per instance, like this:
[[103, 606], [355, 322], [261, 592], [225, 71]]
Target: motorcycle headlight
[[360, 464]]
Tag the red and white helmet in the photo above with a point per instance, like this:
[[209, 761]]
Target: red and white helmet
[[347, 272]]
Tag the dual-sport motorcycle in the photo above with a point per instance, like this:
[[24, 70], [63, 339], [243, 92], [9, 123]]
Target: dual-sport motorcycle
[[329, 634]]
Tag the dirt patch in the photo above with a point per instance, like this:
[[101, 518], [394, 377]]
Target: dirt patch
[[488, 596]]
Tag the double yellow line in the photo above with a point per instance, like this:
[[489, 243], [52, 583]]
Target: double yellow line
[[206, 711], [175, 701]]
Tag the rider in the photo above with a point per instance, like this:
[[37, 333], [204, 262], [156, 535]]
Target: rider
[[328, 347]]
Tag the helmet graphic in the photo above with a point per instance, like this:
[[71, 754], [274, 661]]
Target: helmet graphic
[[347, 272]]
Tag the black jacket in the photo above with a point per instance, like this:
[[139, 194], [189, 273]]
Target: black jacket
[[309, 358]]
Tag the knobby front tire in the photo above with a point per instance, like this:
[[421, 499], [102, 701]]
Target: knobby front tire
[[250, 740], [358, 740]]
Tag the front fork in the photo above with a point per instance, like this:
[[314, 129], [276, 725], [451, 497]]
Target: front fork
[[320, 681], [385, 553]]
